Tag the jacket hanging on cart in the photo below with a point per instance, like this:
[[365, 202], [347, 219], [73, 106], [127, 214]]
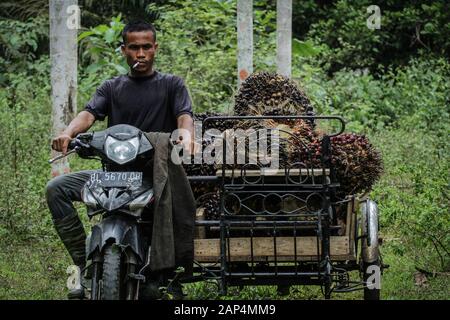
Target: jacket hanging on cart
[[172, 243]]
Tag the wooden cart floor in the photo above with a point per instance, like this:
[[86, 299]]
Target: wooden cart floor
[[208, 250]]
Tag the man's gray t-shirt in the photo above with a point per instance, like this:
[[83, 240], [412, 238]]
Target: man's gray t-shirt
[[152, 103]]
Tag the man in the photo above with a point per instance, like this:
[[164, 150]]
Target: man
[[145, 98]]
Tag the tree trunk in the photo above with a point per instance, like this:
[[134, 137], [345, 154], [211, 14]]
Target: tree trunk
[[245, 39], [284, 37], [63, 57]]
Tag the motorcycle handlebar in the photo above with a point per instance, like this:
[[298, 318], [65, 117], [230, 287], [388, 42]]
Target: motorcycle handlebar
[[74, 146], [75, 149]]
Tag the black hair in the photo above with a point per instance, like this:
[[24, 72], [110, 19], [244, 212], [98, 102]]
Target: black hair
[[137, 26]]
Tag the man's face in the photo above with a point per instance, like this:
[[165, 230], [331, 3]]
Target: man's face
[[140, 47]]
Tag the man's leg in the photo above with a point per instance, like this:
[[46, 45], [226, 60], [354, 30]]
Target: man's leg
[[61, 192]]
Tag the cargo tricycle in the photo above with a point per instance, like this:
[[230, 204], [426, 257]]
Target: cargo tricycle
[[286, 225]]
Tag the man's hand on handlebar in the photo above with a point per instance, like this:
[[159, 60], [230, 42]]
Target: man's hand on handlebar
[[61, 143], [81, 123]]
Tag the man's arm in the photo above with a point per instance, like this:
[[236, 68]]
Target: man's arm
[[186, 122], [81, 123]]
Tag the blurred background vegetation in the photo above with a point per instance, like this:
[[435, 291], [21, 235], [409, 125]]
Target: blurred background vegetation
[[392, 84]]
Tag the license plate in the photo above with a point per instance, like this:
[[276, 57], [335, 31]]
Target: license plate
[[117, 179]]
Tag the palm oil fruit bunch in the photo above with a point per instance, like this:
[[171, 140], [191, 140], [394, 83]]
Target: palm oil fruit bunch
[[211, 203], [358, 164], [267, 93], [263, 143], [305, 146], [220, 125], [203, 169]]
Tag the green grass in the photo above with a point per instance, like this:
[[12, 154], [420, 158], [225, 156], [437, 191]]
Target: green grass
[[36, 271], [32, 271], [397, 284]]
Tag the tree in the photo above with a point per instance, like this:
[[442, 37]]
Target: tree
[[284, 37], [64, 21]]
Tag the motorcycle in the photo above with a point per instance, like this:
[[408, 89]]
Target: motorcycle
[[121, 194]]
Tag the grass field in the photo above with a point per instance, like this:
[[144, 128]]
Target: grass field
[[36, 271]]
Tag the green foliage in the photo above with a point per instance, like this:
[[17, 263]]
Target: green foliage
[[33, 270], [101, 58], [406, 28], [25, 9], [413, 194], [303, 48], [102, 48], [415, 95], [19, 42], [24, 136], [419, 95]]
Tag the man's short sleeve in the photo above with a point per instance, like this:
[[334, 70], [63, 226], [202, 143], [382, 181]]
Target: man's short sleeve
[[181, 101], [100, 102]]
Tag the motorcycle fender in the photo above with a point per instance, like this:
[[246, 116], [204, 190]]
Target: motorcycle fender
[[119, 230], [369, 225]]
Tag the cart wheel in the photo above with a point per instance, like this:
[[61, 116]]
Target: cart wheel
[[372, 280], [370, 251]]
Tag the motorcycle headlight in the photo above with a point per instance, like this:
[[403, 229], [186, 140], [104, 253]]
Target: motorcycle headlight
[[121, 151]]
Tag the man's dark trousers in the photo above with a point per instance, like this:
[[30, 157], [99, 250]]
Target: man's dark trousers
[[61, 191]]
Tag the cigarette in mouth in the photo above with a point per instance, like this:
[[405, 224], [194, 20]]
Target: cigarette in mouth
[[135, 65]]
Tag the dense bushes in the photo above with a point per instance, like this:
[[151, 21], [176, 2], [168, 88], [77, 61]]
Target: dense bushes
[[416, 93], [407, 28], [413, 195], [25, 127]]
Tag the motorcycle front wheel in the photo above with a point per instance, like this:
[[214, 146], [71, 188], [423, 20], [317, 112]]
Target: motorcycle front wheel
[[112, 288]]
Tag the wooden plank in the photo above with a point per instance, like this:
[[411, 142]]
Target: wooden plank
[[285, 259], [200, 231], [273, 172], [351, 217], [263, 248], [348, 221]]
